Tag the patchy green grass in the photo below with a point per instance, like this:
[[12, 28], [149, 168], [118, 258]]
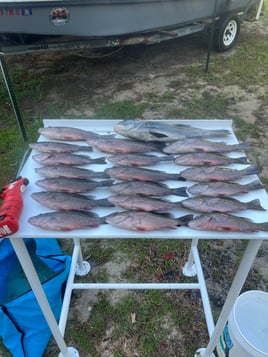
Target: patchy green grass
[[124, 110]]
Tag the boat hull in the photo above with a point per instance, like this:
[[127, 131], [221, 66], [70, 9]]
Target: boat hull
[[103, 18]]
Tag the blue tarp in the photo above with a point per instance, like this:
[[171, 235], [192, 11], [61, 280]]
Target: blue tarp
[[23, 328]]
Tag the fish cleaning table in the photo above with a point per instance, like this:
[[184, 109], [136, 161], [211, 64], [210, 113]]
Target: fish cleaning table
[[105, 231]]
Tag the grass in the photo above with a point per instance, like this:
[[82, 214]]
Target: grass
[[148, 323]]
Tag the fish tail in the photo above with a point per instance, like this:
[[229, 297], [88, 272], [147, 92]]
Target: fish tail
[[255, 185], [183, 221], [243, 146], [220, 132], [86, 148], [264, 226], [255, 204], [180, 191], [99, 160], [101, 175], [242, 160], [103, 202], [251, 170], [105, 183], [157, 145], [102, 220]]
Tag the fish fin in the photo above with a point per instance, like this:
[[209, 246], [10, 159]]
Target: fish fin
[[105, 183], [99, 160], [159, 146], [158, 135], [183, 220], [220, 132], [264, 226], [251, 170], [180, 191], [255, 185], [104, 202], [255, 204], [85, 148], [242, 160], [243, 146]]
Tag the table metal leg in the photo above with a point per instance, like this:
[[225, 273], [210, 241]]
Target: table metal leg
[[238, 282], [83, 267], [33, 279], [189, 268]]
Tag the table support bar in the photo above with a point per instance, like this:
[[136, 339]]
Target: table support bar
[[240, 277], [33, 279]]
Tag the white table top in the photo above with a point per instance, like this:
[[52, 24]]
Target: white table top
[[32, 208]]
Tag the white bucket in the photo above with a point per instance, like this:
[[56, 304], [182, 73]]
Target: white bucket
[[246, 332]]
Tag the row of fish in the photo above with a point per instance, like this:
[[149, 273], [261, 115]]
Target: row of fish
[[73, 201], [140, 191], [142, 221]]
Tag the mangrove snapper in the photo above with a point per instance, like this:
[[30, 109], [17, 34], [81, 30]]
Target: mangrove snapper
[[68, 172], [53, 146], [205, 174], [69, 201], [202, 145], [139, 203], [68, 133], [137, 159], [226, 223], [66, 220], [223, 188], [216, 204], [66, 159], [145, 221], [128, 173], [146, 189], [208, 159], [122, 146], [61, 184]]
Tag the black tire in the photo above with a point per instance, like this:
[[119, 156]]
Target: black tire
[[226, 33]]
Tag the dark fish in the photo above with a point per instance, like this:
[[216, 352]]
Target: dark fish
[[216, 204], [66, 220], [145, 221], [137, 159], [208, 159], [68, 172], [128, 173], [52, 146], [223, 188], [202, 145], [163, 132], [68, 133], [123, 146], [69, 201], [61, 184], [205, 174], [226, 223], [139, 203], [146, 189], [66, 159]]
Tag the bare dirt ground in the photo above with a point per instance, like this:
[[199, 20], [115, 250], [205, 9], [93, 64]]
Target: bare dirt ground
[[84, 78]]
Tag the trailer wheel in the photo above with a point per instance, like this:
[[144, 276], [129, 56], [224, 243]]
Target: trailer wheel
[[226, 33]]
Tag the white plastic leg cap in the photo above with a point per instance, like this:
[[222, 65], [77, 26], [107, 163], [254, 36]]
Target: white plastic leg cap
[[85, 269], [72, 352], [200, 352], [189, 270]]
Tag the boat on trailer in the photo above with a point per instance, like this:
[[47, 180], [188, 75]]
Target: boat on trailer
[[119, 22]]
